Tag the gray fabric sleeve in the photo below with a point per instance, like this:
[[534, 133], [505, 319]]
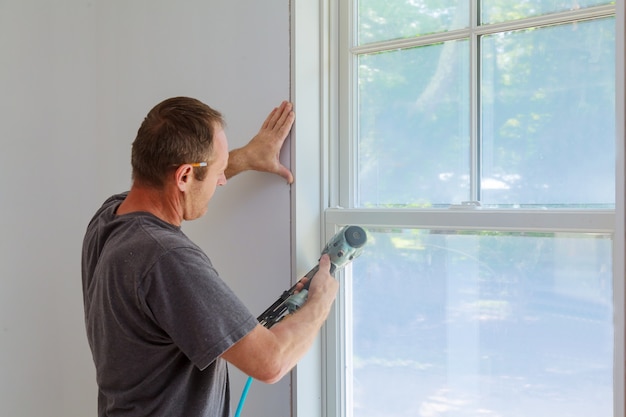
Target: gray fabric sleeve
[[185, 296]]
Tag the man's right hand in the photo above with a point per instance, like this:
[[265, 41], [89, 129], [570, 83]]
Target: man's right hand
[[323, 284]]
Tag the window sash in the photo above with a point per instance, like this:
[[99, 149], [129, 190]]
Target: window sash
[[340, 177], [347, 168]]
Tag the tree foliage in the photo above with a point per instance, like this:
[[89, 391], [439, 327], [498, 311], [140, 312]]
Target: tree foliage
[[545, 117]]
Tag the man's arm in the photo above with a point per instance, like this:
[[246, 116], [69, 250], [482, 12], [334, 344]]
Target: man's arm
[[263, 151], [268, 354]]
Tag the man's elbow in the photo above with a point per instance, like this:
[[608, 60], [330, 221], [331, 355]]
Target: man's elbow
[[271, 373]]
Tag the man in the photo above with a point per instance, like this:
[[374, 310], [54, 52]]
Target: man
[[160, 322]]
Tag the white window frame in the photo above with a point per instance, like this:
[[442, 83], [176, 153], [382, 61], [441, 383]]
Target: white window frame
[[317, 388]]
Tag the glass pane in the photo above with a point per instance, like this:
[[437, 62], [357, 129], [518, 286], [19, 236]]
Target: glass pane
[[392, 19], [548, 115], [496, 11], [413, 122], [481, 324]]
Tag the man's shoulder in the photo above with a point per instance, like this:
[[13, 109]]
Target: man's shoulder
[[107, 209]]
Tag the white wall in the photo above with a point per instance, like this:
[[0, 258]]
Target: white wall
[[76, 79]]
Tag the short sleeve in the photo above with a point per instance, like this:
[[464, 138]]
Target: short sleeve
[[186, 298]]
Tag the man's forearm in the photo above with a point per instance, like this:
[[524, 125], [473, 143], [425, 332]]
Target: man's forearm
[[296, 333]]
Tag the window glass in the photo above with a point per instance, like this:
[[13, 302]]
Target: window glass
[[496, 11], [413, 126], [388, 20], [548, 115], [481, 324]]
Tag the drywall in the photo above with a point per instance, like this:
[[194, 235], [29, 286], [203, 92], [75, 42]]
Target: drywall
[[76, 79]]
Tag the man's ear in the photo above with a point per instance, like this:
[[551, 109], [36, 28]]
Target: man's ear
[[184, 174]]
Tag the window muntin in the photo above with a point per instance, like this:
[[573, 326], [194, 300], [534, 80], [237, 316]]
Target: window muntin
[[497, 11], [481, 323]]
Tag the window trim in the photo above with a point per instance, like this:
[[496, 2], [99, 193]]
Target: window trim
[[307, 157]]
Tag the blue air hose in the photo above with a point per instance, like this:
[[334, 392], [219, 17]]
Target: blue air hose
[[244, 394]]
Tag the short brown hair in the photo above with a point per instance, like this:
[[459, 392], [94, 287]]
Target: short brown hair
[[176, 131]]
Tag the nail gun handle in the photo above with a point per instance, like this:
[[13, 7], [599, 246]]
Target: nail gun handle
[[346, 245]]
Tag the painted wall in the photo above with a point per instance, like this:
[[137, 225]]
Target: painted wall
[[76, 79]]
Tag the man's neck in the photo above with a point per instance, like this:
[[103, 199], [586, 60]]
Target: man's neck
[[158, 202]]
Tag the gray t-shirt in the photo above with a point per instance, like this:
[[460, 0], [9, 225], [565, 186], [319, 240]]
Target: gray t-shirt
[[158, 317]]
